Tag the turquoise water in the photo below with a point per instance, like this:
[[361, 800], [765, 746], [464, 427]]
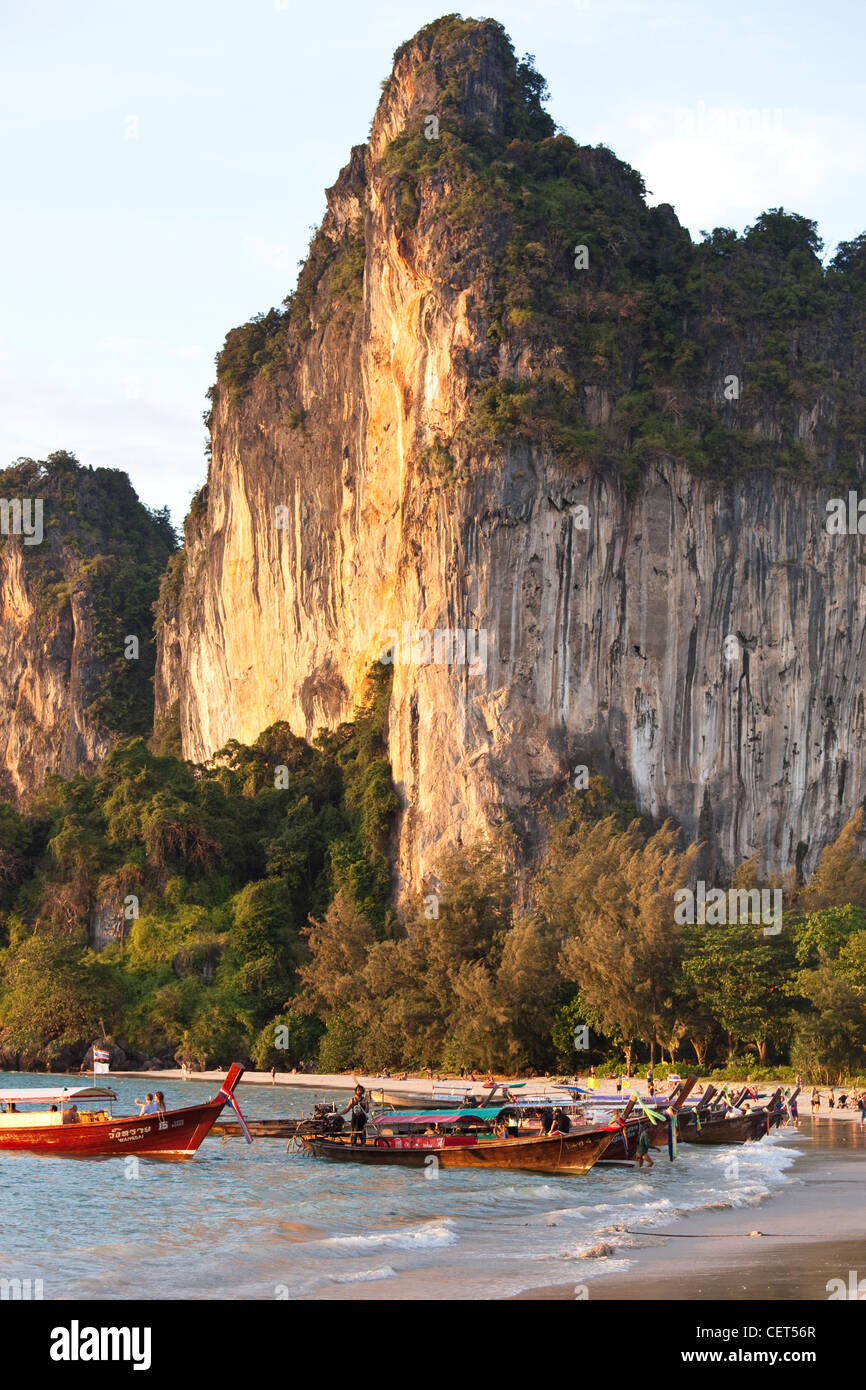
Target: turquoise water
[[253, 1222]]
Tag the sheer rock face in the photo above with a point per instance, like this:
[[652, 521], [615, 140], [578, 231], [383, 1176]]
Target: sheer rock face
[[606, 637], [48, 679]]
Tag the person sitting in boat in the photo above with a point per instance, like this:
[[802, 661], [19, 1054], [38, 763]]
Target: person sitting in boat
[[561, 1122], [71, 1115], [160, 1103], [546, 1114], [360, 1109], [148, 1105]]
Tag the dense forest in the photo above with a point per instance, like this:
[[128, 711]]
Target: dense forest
[[249, 902]]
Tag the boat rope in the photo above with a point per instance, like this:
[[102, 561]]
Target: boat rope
[[710, 1235]]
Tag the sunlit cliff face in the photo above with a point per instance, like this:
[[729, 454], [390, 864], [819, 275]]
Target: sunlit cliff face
[[605, 614], [46, 683]]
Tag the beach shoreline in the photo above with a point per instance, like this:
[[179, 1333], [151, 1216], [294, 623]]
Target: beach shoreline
[[811, 1232], [415, 1086]]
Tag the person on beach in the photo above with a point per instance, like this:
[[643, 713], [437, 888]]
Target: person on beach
[[815, 1099], [861, 1106], [619, 1084], [360, 1111], [794, 1112], [831, 1099], [643, 1148]]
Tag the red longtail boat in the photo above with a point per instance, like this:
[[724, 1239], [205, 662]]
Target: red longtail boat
[[58, 1127]]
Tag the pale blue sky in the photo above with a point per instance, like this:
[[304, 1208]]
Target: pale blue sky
[[163, 163]]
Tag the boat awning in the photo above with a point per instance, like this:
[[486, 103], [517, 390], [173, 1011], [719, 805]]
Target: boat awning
[[56, 1097], [444, 1117]]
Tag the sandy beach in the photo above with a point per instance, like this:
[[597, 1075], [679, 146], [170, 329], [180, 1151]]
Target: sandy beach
[[813, 1231]]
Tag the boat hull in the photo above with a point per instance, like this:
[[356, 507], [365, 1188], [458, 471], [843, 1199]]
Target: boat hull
[[176, 1135], [570, 1153], [741, 1129], [715, 1129]]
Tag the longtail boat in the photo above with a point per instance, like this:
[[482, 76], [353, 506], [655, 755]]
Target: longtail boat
[[464, 1141], [442, 1095], [656, 1117], [711, 1126], [58, 1127]]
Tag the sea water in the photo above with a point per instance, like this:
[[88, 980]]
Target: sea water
[[255, 1222]]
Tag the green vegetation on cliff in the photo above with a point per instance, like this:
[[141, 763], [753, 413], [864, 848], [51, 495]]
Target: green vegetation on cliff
[[478, 982], [218, 867], [263, 932], [108, 550], [628, 349]]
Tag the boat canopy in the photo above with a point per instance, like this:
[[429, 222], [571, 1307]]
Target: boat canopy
[[443, 1117], [53, 1097]]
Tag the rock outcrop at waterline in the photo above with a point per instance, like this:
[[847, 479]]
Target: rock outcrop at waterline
[[509, 399]]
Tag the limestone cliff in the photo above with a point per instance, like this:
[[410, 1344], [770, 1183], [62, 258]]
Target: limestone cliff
[[80, 560], [510, 400]]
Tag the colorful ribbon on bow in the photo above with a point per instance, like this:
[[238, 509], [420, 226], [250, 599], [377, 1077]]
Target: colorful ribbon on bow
[[668, 1118], [654, 1115], [672, 1133]]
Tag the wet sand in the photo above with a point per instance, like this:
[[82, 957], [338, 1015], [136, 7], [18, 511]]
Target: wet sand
[[813, 1232]]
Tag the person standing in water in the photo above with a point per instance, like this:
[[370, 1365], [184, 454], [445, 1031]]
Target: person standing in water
[[643, 1148]]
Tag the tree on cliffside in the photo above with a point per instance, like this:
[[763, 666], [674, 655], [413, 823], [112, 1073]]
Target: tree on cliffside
[[611, 902]]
